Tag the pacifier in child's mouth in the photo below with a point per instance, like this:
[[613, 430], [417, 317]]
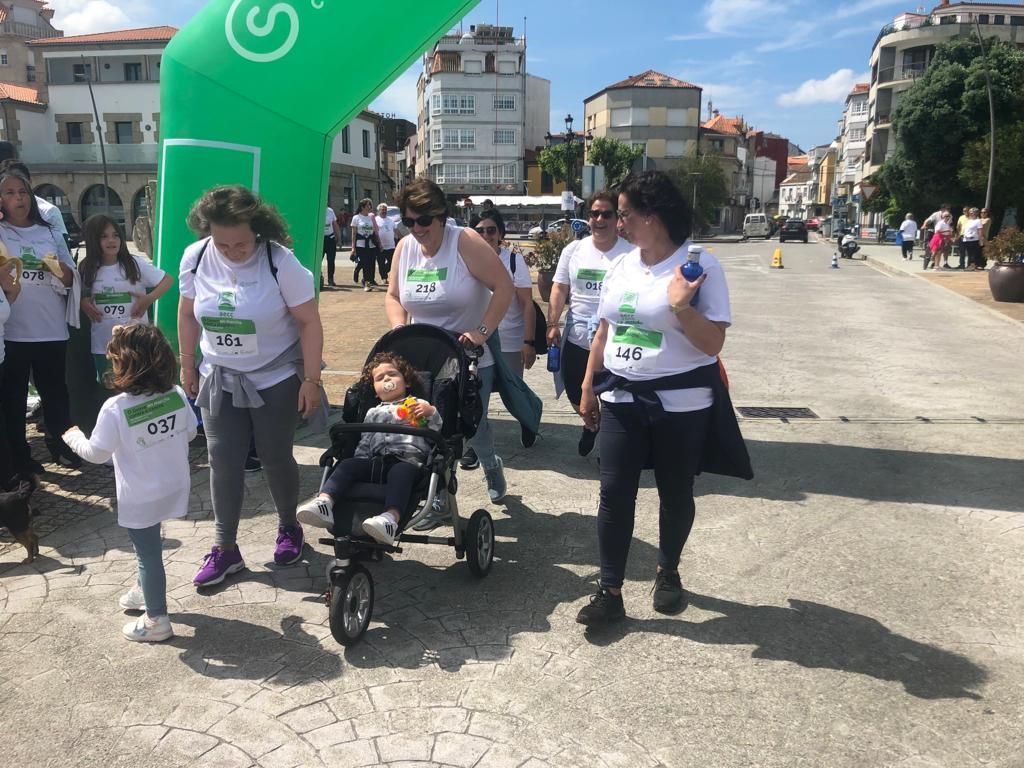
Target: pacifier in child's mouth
[[389, 386]]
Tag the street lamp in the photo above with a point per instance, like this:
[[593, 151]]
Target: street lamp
[[570, 161]]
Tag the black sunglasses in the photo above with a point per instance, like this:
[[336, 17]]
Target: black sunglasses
[[424, 221], [602, 214], [487, 230]]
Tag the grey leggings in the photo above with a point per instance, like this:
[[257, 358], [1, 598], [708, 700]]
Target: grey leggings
[[152, 579], [227, 441]]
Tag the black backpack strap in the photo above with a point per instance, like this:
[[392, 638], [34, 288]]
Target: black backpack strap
[[512, 263], [270, 258]]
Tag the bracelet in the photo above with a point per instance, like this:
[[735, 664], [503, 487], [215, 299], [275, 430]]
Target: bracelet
[[186, 354], [678, 309], [308, 380]]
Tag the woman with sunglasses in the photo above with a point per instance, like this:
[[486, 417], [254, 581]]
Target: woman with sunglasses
[[448, 276], [578, 279], [653, 364]]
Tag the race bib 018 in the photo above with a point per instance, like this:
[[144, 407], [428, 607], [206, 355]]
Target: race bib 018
[[156, 420], [231, 336], [589, 281]]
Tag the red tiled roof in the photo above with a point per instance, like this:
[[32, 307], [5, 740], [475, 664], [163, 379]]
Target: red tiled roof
[[3, 14], [860, 88], [142, 35], [651, 79], [733, 126], [22, 93]]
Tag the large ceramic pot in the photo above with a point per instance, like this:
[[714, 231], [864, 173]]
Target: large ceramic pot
[[545, 280], [1006, 281]]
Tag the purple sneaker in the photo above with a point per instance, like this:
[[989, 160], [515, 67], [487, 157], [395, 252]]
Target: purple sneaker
[[218, 564], [289, 544]]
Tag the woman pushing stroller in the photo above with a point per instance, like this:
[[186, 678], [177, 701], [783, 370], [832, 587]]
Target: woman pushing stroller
[[395, 459]]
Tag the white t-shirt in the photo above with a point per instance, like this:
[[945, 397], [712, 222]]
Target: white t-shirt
[[645, 339], [972, 230], [114, 296], [943, 226], [5, 312], [440, 290], [40, 313], [512, 328], [51, 215], [330, 218], [243, 311], [386, 232], [148, 436], [582, 266], [362, 226], [909, 229]]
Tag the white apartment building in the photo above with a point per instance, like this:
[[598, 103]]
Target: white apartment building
[[849, 164], [477, 111], [356, 165], [795, 196], [904, 50]]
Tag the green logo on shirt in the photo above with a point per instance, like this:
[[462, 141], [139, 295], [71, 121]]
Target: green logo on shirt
[[628, 305], [226, 302], [28, 258]]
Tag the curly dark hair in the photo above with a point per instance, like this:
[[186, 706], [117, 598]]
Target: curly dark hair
[[602, 194], [232, 205], [494, 215], [142, 361], [653, 193], [413, 383]]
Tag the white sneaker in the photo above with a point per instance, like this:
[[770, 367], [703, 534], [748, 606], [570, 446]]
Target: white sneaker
[[318, 511], [147, 630], [133, 599], [381, 528]]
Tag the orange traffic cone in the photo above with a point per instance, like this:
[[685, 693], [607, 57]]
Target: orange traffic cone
[[777, 259]]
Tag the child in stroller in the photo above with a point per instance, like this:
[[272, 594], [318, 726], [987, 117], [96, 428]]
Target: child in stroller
[[393, 459]]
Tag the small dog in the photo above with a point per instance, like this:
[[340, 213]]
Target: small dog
[[16, 515]]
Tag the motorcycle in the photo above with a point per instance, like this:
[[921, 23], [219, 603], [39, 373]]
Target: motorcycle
[[848, 247]]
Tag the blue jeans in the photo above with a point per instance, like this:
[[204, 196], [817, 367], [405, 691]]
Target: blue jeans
[[483, 441], [149, 551]]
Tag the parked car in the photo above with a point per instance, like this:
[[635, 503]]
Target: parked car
[[395, 216], [556, 226], [756, 225], [813, 224], [793, 229]]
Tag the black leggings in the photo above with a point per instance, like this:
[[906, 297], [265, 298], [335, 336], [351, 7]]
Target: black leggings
[[330, 252], [384, 262], [46, 361], [6, 461], [366, 260], [674, 442], [574, 368], [400, 478]]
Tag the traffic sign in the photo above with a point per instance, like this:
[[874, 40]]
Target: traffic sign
[[578, 226]]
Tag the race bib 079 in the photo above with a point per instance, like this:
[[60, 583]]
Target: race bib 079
[[114, 306], [231, 336], [156, 420]]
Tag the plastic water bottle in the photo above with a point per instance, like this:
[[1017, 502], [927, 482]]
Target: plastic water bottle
[[554, 358], [692, 269]]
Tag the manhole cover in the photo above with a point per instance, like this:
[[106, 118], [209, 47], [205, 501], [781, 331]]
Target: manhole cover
[[760, 412]]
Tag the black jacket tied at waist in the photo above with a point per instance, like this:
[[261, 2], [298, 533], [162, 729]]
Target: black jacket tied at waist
[[725, 452]]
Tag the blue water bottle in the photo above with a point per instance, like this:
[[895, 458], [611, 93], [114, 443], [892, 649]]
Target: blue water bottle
[[554, 358], [692, 269]]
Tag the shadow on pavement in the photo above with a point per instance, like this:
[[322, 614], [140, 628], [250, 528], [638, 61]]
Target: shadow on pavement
[[819, 636]]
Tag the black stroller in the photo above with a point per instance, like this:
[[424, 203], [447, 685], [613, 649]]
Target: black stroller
[[449, 377]]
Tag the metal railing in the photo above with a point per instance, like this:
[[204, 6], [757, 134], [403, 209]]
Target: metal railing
[[89, 154]]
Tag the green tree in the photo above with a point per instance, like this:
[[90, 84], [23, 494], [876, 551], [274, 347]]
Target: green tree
[[616, 157], [940, 117], [704, 175], [562, 162]]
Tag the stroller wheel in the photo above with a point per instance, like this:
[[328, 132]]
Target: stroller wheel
[[479, 541], [351, 605]]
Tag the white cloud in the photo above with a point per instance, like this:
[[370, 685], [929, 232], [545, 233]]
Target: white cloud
[[400, 97], [798, 35], [80, 17], [692, 36], [833, 88], [854, 9], [730, 17], [862, 29]]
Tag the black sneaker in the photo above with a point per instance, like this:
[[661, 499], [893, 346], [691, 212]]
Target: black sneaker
[[603, 608], [586, 443], [527, 437], [669, 595], [469, 459], [253, 463]]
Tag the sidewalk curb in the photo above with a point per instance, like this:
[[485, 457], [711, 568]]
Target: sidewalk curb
[[881, 266]]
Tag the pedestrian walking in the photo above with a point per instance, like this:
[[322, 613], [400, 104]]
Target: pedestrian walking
[[972, 240], [928, 225], [578, 279], [249, 305], [961, 248], [386, 232], [365, 244], [908, 231], [332, 235], [654, 383], [986, 227], [145, 429]]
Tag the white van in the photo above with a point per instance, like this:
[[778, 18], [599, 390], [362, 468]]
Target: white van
[[756, 225]]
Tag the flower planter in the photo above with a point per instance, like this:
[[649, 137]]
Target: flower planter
[[545, 280], [1006, 281]]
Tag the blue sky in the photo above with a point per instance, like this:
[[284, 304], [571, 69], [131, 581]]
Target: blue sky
[[784, 65]]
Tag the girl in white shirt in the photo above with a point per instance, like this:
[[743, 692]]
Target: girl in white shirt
[[365, 241], [386, 233], [114, 285], [146, 429]]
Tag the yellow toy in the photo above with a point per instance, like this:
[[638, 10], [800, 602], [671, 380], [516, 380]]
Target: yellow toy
[[404, 412]]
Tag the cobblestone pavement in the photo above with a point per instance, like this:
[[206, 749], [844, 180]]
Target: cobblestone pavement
[[858, 604]]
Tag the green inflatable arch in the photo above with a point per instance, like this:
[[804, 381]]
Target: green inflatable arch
[[253, 92]]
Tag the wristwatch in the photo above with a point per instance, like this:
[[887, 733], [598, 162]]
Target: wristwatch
[[484, 329]]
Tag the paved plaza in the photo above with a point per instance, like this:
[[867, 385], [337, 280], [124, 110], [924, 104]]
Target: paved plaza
[[857, 604]]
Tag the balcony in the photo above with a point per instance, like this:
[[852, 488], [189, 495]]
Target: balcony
[[89, 155], [29, 31], [901, 73]]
